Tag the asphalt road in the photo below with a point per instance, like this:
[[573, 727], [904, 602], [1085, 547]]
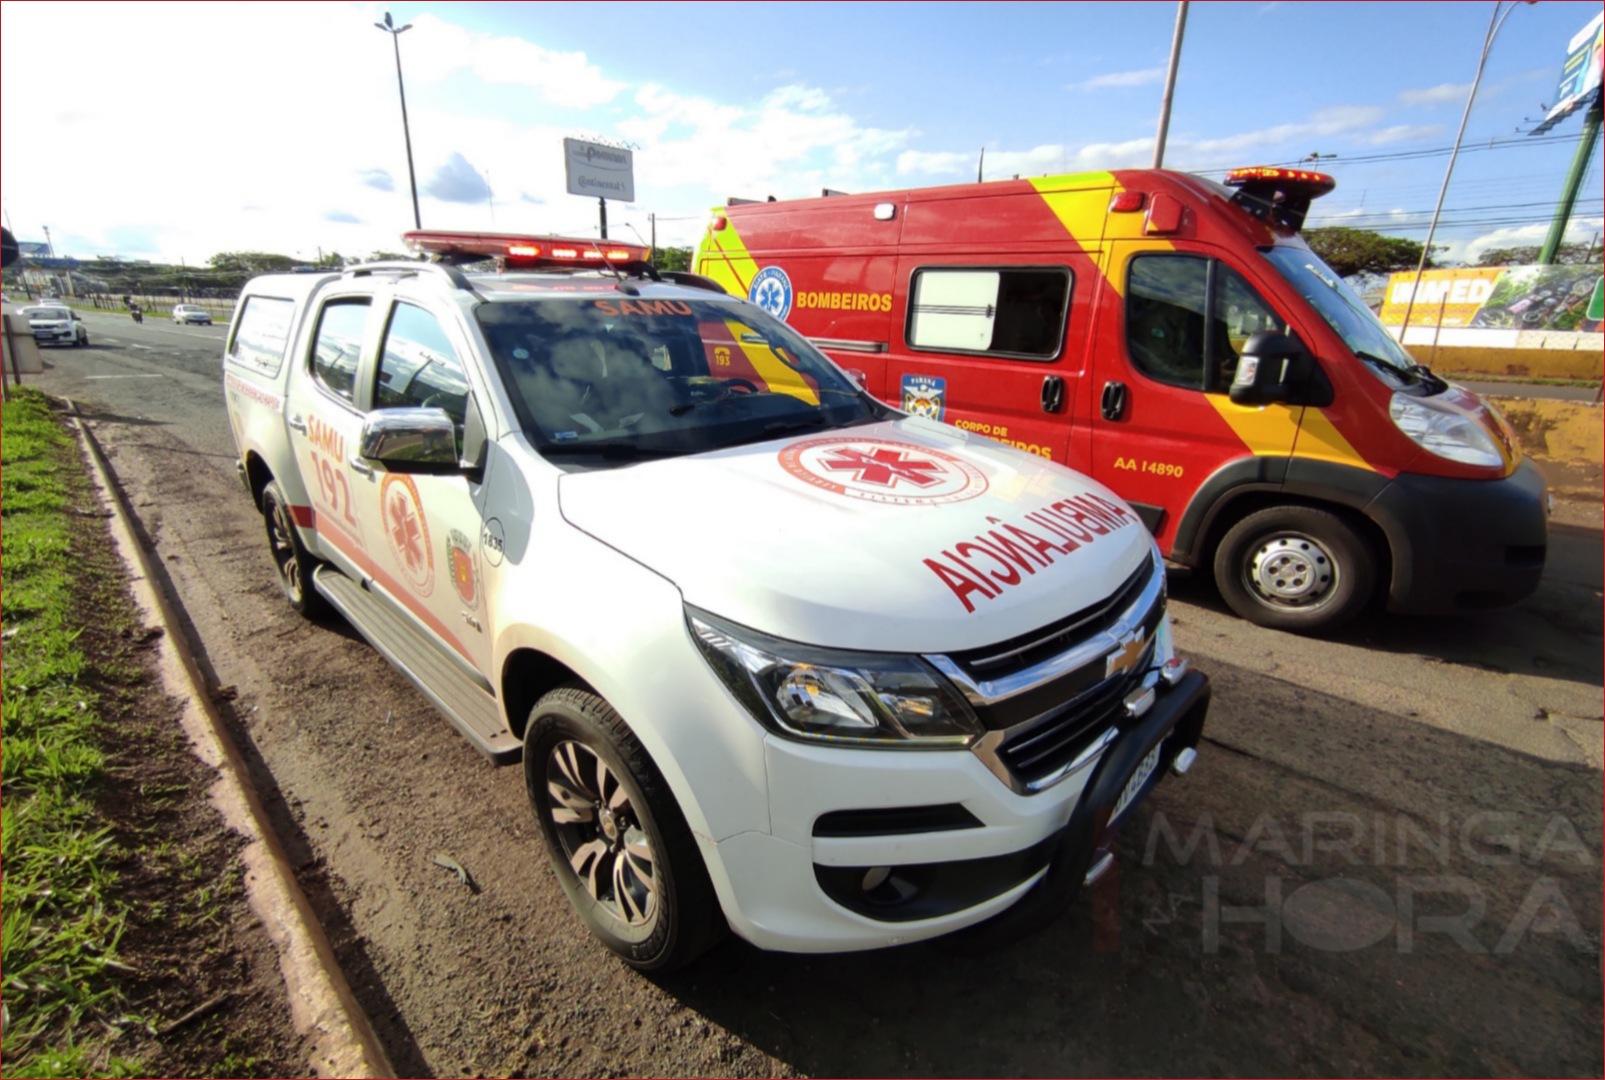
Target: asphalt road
[[1387, 859]]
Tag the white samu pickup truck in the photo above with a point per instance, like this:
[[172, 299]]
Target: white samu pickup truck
[[776, 658]]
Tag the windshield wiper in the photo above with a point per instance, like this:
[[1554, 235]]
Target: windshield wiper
[[802, 423], [612, 451]]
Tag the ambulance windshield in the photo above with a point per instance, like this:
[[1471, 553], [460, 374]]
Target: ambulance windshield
[[620, 378], [1343, 310]]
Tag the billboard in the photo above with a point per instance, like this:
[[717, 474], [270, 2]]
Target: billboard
[[1497, 297], [1579, 76], [598, 170], [32, 247]]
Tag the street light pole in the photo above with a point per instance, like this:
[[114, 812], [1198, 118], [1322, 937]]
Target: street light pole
[[1170, 84], [1496, 22], [395, 33]]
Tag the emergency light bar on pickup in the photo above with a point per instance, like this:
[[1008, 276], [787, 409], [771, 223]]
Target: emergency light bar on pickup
[[524, 251]]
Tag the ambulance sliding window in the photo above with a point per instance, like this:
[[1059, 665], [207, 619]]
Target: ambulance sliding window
[[1007, 312]]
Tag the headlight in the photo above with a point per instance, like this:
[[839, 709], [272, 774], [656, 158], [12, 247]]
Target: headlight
[[822, 695], [1442, 430]]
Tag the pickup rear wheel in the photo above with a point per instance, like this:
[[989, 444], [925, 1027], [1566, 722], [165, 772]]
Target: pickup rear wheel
[[619, 845], [292, 560], [1295, 568]]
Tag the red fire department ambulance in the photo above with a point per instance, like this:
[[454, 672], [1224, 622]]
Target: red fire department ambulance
[[1177, 340]]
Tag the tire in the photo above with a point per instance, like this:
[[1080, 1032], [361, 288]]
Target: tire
[[1327, 569], [645, 891], [290, 557]]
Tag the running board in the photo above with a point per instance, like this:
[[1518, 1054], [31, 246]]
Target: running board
[[471, 710]]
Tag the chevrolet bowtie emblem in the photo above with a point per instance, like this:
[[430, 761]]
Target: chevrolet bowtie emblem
[[1126, 656]]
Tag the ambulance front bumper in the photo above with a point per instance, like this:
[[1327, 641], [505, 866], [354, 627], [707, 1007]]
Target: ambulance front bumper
[[1463, 544], [871, 848]]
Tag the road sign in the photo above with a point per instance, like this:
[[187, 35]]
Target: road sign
[[602, 172]]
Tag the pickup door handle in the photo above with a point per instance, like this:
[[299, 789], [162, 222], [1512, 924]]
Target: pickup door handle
[[298, 424], [1052, 394], [1114, 400], [359, 466]]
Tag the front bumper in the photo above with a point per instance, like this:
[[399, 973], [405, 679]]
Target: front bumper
[[957, 844], [1463, 544]]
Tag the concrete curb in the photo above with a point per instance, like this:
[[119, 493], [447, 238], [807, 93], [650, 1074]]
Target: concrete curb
[[322, 1008]]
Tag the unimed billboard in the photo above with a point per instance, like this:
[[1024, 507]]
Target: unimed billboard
[[1496, 297]]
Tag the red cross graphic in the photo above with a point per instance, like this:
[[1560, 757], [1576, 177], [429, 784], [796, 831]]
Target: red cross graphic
[[405, 533], [885, 467]]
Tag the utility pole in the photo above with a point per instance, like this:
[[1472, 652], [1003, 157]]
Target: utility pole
[[1574, 180], [980, 166], [395, 33], [602, 205], [50, 248], [1170, 84], [652, 248], [1496, 22]]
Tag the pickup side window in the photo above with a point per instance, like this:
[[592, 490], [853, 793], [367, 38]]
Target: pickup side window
[[1188, 316], [338, 345], [1003, 311], [262, 333], [418, 366]]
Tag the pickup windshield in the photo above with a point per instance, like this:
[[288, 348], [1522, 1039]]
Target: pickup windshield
[[618, 377], [1343, 311]]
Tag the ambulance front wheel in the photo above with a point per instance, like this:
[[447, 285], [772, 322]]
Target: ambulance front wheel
[[1295, 568]]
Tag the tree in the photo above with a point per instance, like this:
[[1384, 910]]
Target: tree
[[1361, 251], [1568, 255], [672, 258], [251, 262], [389, 256]]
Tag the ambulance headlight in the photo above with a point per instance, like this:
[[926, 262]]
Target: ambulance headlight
[[822, 695], [1442, 430]]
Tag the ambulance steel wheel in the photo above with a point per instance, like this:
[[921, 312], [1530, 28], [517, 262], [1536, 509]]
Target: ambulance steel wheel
[[1295, 568], [294, 563], [619, 845]]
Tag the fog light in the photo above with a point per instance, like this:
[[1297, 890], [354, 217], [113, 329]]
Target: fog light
[[1173, 670], [875, 877]]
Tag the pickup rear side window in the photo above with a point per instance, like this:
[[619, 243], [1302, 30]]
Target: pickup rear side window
[[1187, 317], [418, 366], [1002, 311], [262, 333], [338, 345]]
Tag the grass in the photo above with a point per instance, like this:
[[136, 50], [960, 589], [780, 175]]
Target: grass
[[62, 917]]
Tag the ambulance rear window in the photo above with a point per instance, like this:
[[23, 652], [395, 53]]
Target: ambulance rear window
[[1003, 311]]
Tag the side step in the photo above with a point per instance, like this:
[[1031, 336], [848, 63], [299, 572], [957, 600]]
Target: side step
[[472, 710]]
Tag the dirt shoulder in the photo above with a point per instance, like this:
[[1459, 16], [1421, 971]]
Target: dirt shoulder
[[129, 946]]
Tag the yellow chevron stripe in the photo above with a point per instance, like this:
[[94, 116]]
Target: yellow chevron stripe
[[778, 375], [723, 257]]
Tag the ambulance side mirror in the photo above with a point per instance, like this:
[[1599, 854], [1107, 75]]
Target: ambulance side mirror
[[411, 440], [1275, 368]]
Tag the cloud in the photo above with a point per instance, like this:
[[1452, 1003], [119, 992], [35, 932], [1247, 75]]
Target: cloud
[[568, 79], [1398, 133], [457, 181], [342, 217], [1435, 95], [1116, 80], [1578, 229], [378, 179]]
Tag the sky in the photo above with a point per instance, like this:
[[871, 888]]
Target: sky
[[173, 132]]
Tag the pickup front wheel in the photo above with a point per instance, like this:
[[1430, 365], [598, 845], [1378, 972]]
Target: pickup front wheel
[[619, 845], [294, 563]]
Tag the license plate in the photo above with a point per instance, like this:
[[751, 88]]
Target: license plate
[[1139, 777]]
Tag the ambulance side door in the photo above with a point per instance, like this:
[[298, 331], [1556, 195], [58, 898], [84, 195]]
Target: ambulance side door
[[432, 522], [982, 345], [325, 422], [1165, 350]]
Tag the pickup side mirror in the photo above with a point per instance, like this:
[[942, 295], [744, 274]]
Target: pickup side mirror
[[1274, 368], [411, 440]]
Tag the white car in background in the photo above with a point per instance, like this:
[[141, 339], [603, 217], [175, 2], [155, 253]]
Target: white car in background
[[191, 314], [55, 324]]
